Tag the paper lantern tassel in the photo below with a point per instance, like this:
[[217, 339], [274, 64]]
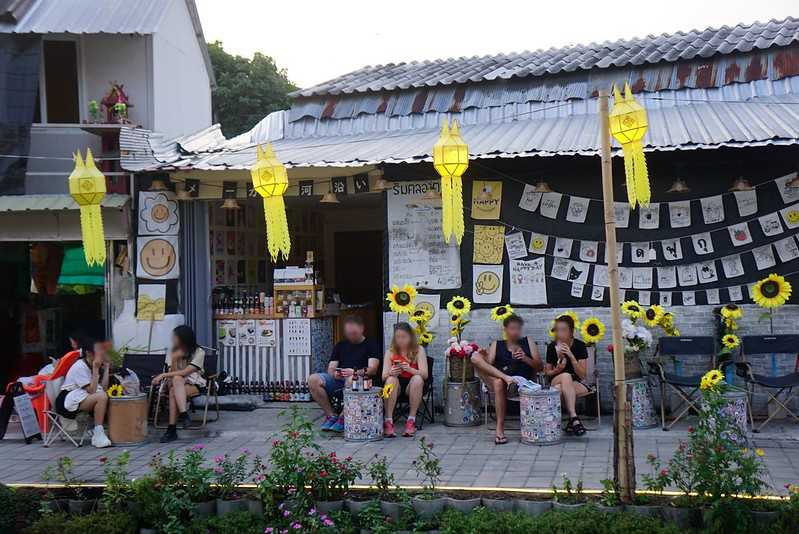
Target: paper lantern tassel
[[277, 228], [457, 209], [91, 225]]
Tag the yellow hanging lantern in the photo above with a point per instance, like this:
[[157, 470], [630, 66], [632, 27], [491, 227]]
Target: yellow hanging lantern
[[450, 159], [87, 187], [270, 180], [628, 124]]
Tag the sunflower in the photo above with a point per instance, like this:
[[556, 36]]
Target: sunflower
[[551, 330], [592, 331], [574, 317], [459, 305], [454, 331], [500, 313], [730, 324], [400, 300], [673, 332], [425, 338], [667, 321], [420, 316], [631, 309], [771, 292], [711, 379], [731, 311], [419, 330], [455, 318], [115, 391], [730, 341], [653, 315]]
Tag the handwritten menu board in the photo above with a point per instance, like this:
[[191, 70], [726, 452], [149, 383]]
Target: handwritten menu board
[[417, 253], [528, 282]]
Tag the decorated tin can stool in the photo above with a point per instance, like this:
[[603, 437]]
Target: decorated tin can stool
[[736, 408], [539, 416], [363, 415], [462, 403], [641, 404]]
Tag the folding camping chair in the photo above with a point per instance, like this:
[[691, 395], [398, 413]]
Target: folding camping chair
[[55, 427], [427, 408], [693, 347], [592, 383], [43, 389], [770, 345], [211, 391]]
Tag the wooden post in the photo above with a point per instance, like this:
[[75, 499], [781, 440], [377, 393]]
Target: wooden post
[[624, 466]]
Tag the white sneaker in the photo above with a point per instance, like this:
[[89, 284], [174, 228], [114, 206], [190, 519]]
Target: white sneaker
[[99, 439]]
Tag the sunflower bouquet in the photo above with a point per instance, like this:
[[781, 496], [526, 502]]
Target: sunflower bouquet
[[420, 317], [771, 293], [459, 351], [729, 315], [637, 326]]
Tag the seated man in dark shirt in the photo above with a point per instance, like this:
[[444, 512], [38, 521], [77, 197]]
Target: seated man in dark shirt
[[349, 355]]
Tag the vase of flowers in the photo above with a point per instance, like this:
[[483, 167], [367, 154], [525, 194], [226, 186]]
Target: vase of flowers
[[462, 389], [637, 329]]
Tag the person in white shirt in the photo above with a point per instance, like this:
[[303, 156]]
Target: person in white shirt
[[84, 388], [184, 378]]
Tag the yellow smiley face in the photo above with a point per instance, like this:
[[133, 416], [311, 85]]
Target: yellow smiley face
[[426, 306], [538, 244], [793, 216], [157, 257], [487, 283], [160, 213]]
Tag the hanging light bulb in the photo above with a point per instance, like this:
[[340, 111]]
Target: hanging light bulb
[[381, 184], [793, 182], [450, 159], [157, 184], [230, 204], [182, 194], [741, 184], [542, 187], [679, 186], [270, 179], [329, 198]]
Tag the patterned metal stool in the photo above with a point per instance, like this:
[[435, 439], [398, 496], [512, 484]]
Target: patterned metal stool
[[363, 415], [539, 415]]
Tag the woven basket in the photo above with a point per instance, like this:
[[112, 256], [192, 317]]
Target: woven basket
[[456, 369]]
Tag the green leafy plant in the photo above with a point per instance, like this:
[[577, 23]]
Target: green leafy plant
[[610, 493], [229, 472], [382, 479], [110, 522], [62, 473], [788, 520], [428, 468], [330, 478], [195, 475], [372, 518], [117, 491], [569, 493], [147, 500], [658, 479], [174, 502], [233, 523]]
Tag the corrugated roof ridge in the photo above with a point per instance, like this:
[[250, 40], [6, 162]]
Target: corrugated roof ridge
[[749, 33]]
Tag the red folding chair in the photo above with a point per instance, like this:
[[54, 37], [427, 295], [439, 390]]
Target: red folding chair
[[37, 390]]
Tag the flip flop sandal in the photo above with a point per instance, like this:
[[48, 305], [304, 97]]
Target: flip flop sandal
[[513, 391], [579, 429], [500, 440], [569, 429]]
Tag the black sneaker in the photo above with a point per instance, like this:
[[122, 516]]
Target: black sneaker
[[169, 435], [185, 419]]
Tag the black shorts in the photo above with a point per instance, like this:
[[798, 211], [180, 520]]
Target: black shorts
[[59, 406], [403, 384]]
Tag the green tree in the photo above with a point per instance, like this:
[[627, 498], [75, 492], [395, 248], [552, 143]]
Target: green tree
[[247, 89]]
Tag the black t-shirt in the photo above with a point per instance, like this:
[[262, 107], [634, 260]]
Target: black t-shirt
[[354, 355], [578, 349]]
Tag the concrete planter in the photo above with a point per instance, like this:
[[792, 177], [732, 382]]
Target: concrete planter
[[255, 507], [563, 507], [355, 507], [79, 506], [463, 505], [684, 518], [205, 509], [499, 505], [391, 509], [224, 507], [645, 510], [428, 508], [326, 507], [610, 509], [533, 507], [764, 519]]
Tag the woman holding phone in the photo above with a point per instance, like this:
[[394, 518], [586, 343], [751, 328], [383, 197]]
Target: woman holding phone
[[405, 367], [566, 367]]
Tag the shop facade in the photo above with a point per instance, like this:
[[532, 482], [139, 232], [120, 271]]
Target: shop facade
[[722, 123]]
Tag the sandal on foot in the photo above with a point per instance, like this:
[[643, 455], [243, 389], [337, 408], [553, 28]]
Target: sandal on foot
[[500, 440], [578, 427], [569, 428]]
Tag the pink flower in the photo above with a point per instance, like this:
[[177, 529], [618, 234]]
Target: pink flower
[[218, 470], [219, 459], [312, 511], [103, 459], [245, 452], [269, 530], [664, 472], [198, 447], [468, 349], [323, 474], [328, 523], [286, 513], [296, 525], [690, 428]]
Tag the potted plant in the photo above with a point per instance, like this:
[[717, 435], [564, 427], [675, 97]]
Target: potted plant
[[229, 473], [609, 500], [637, 335], [531, 507], [147, 500], [196, 479], [428, 468], [117, 492], [174, 505], [62, 473], [681, 510], [293, 516], [461, 390], [569, 497], [388, 493], [330, 479]]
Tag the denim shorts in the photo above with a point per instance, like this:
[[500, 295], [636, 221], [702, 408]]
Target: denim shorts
[[332, 384]]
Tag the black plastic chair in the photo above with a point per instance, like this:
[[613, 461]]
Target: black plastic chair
[[686, 386], [784, 345], [427, 408]]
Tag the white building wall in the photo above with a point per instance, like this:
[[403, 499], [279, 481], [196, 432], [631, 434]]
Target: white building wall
[[182, 90], [117, 58]]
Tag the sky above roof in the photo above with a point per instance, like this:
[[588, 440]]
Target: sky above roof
[[315, 41]]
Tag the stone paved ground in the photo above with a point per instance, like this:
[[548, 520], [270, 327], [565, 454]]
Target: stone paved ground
[[469, 456]]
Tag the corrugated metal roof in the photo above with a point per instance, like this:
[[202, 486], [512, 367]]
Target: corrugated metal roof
[[54, 202], [638, 51], [721, 71], [760, 121], [90, 16]]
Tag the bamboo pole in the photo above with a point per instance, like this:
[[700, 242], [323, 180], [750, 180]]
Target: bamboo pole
[[624, 468]]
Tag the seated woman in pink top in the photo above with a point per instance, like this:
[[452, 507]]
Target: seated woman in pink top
[[404, 366]]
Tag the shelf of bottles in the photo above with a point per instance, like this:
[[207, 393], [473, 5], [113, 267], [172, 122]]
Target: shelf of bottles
[[276, 391]]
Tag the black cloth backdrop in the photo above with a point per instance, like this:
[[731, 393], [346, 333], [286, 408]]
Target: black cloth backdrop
[[712, 173]]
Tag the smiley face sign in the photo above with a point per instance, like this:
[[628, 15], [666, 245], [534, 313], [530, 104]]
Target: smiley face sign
[[157, 258], [487, 284], [158, 213]]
